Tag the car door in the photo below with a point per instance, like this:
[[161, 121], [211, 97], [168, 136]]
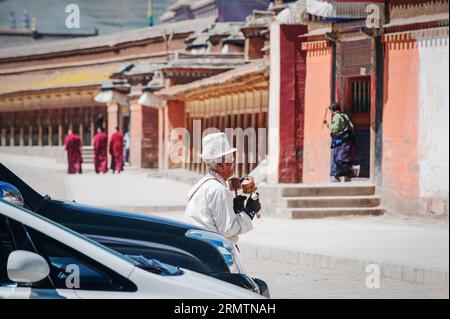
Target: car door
[[13, 237], [8, 289], [72, 271]]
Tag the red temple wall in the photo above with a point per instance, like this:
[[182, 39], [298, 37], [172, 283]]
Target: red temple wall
[[317, 154]]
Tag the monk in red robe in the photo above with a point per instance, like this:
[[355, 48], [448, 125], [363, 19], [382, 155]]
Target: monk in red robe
[[101, 151], [73, 145], [116, 151]]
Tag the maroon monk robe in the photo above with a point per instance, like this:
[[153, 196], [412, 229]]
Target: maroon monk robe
[[116, 151], [73, 145], [101, 152]]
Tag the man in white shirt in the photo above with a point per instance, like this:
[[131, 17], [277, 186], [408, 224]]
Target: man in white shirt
[[126, 147], [210, 203]]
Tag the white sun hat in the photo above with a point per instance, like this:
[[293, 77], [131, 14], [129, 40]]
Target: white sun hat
[[215, 146]]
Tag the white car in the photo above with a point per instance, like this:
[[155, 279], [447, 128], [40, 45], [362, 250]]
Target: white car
[[42, 259]]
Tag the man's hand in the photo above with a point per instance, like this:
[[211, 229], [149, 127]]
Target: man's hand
[[238, 204], [252, 208]]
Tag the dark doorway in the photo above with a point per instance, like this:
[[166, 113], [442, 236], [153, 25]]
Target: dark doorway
[[358, 102]]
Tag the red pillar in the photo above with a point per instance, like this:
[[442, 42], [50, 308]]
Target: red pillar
[[175, 118], [292, 101]]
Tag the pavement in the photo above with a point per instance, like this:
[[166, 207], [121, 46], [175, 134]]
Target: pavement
[[132, 190], [290, 281], [403, 248]]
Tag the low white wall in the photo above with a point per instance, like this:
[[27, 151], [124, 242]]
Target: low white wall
[[434, 124], [54, 152]]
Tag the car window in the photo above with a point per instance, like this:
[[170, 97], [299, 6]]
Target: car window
[[69, 269], [6, 247], [14, 237]]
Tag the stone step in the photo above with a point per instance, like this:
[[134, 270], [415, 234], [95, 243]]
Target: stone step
[[181, 175], [308, 213], [328, 190], [333, 201], [87, 153]]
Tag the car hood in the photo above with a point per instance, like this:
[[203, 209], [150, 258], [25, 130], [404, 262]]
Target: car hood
[[119, 213], [190, 285]]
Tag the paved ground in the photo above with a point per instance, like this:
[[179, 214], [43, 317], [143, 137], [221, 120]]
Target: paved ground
[[297, 282], [385, 239], [131, 190], [401, 240], [43, 175]]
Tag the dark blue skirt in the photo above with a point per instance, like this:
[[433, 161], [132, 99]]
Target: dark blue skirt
[[342, 158]]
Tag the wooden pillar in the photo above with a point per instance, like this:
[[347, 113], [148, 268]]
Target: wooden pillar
[[246, 144], [136, 134], [175, 118], [196, 144], [30, 133], [11, 135], [60, 132], [92, 125], [227, 111], [193, 147], [201, 119], [81, 124], [112, 117], [3, 136], [261, 124], [59, 123], [50, 135], [161, 122], [254, 157], [40, 130], [186, 165], [239, 124], [205, 123], [21, 141]]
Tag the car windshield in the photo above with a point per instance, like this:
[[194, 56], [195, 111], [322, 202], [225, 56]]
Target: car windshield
[[155, 266], [73, 233]]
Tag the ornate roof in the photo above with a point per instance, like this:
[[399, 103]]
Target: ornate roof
[[111, 40], [256, 67], [64, 78], [206, 61]]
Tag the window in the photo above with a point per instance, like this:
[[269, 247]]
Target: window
[[361, 96], [13, 237], [6, 248], [62, 259]]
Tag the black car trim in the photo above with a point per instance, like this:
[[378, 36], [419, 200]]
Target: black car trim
[[132, 242]]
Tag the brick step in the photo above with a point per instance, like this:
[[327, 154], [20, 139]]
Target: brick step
[[328, 190], [308, 213], [334, 201]]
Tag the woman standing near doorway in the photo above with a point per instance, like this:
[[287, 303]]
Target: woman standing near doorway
[[343, 143]]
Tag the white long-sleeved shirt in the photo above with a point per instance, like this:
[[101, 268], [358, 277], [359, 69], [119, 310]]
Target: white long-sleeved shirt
[[211, 207]]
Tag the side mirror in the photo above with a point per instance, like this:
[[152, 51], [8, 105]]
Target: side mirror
[[27, 267], [11, 194]]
